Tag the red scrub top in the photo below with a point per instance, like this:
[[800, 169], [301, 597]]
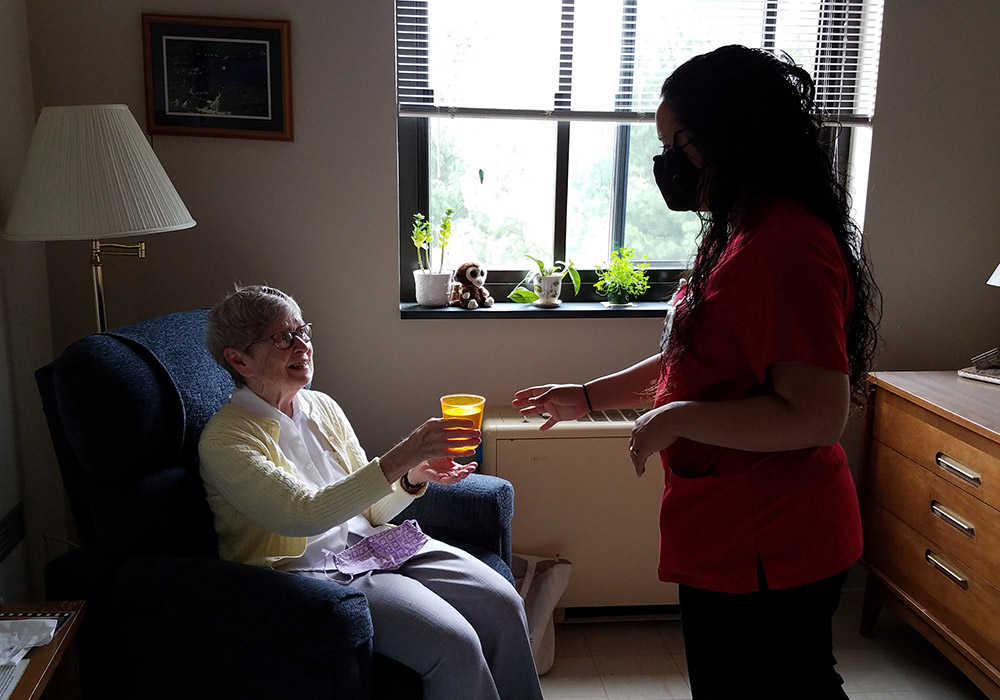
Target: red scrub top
[[781, 292]]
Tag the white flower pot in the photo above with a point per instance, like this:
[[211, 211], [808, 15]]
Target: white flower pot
[[433, 288], [547, 287]]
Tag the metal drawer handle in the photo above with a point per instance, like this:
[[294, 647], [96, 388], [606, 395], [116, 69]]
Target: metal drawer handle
[[953, 575], [953, 519], [959, 469]]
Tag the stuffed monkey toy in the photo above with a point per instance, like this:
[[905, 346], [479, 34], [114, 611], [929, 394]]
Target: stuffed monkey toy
[[471, 294]]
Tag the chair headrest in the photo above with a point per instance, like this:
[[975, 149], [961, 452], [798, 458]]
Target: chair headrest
[[177, 341], [137, 398]]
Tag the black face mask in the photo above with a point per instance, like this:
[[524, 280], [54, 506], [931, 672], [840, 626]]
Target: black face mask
[[678, 180]]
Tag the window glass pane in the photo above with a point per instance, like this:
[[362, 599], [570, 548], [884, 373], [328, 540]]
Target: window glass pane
[[588, 205], [499, 176], [483, 54], [670, 33], [652, 229], [857, 180], [597, 54], [795, 34]]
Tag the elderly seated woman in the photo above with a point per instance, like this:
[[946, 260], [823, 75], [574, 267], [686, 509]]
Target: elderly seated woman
[[291, 488]]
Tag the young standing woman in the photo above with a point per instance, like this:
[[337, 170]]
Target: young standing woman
[[770, 340]]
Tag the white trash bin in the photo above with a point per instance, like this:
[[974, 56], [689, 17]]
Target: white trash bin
[[541, 581]]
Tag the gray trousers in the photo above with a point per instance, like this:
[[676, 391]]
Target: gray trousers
[[456, 622]]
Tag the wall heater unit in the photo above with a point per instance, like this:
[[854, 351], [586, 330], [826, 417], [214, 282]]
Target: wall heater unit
[[576, 496]]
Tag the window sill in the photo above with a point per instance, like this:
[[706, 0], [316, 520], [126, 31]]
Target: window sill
[[568, 309]]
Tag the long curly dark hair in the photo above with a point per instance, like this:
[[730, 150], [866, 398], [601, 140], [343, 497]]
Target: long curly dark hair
[[753, 118]]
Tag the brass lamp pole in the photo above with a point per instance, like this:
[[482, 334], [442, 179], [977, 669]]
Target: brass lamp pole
[[132, 250]]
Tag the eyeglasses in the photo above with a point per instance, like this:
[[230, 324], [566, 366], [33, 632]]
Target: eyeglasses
[[670, 146], [286, 339]]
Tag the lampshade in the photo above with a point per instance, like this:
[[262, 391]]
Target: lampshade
[[995, 277], [91, 174]]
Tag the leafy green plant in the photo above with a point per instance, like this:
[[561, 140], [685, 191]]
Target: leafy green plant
[[524, 292], [424, 239], [623, 278]]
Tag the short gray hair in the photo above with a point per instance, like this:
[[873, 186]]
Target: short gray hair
[[241, 317]]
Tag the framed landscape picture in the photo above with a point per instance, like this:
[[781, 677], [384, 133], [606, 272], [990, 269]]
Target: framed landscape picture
[[210, 76]]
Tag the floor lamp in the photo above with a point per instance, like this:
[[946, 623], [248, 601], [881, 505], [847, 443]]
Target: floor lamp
[[994, 278], [986, 366], [90, 174]]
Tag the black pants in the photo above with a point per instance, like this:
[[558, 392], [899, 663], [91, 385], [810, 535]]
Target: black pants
[[768, 645]]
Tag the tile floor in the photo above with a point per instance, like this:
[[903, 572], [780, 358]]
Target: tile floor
[[644, 660]]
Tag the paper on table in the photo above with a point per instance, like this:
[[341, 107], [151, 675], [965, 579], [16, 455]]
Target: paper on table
[[9, 676], [17, 636]]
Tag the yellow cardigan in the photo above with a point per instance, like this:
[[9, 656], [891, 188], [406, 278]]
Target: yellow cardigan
[[263, 511]]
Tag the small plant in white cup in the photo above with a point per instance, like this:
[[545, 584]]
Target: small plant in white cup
[[542, 287]]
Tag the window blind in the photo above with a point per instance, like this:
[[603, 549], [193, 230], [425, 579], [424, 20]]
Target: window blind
[[607, 59]]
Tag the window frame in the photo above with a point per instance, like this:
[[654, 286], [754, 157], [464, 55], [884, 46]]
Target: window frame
[[414, 180]]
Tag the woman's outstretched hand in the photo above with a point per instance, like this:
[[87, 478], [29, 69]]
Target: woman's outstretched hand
[[443, 470], [559, 401]]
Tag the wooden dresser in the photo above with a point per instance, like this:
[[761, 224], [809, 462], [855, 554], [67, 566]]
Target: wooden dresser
[[930, 501]]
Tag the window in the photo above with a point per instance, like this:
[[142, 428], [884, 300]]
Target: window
[[535, 120]]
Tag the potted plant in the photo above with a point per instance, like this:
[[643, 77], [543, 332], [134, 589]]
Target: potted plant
[[622, 279], [546, 283], [432, 288]]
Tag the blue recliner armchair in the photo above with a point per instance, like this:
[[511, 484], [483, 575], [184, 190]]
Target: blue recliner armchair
[[166, 618]]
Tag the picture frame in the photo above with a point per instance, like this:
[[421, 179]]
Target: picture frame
[[219, 77]]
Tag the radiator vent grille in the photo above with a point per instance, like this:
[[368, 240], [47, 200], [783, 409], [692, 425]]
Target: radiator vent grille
[[625, 415]]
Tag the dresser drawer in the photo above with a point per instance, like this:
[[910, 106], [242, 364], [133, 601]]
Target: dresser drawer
[[964, 603], [941, 512], [954, 453]]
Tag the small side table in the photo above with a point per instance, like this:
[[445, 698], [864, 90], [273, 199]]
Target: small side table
[[53, 671]]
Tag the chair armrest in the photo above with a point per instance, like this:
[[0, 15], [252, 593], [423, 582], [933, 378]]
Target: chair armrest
[[476, 511], [196, 597], [182, 624], [185, 624], [86, 573]]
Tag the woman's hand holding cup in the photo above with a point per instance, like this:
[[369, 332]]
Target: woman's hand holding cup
[[436, 438]]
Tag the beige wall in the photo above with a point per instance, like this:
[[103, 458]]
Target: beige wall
[[933, 219], [27, 467], [318, 216]]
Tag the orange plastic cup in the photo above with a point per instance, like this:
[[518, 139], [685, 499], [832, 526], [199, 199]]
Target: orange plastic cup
[[464, 406]]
